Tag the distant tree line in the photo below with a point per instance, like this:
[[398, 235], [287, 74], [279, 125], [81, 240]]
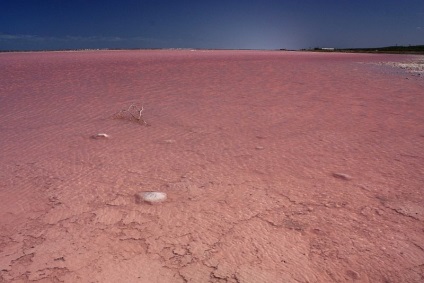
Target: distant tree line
[[413, 49]]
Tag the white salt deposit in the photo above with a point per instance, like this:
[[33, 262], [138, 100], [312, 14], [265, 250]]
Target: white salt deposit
[[416, 66]]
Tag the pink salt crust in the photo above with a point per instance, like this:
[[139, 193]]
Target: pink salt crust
[[278, 166]]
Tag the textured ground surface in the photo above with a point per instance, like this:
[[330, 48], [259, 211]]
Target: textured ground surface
[[279, 167]]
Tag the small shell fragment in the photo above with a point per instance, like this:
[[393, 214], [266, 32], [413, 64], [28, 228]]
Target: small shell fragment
[[100, 136], [342, 176], [152, 197]]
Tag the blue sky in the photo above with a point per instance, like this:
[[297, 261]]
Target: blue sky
[[223, 24]]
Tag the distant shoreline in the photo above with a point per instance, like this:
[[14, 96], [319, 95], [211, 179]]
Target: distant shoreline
[[140, 49], [413, 50]]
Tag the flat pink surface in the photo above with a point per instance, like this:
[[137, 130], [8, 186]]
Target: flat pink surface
[[251, 148]]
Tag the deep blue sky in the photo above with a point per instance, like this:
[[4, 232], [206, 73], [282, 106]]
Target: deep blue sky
[[239, 24]]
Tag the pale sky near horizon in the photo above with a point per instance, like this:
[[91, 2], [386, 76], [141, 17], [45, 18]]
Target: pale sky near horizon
[[220, 24]]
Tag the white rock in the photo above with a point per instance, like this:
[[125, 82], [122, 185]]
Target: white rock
[[153, 197]]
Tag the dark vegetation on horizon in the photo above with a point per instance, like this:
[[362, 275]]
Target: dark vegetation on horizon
[[411, 49]]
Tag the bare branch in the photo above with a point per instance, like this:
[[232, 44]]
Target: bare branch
[[132, 114]]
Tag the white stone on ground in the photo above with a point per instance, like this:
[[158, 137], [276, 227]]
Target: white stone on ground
[[153, 197]]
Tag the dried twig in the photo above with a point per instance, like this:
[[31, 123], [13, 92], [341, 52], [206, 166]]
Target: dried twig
[[132, 113]]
